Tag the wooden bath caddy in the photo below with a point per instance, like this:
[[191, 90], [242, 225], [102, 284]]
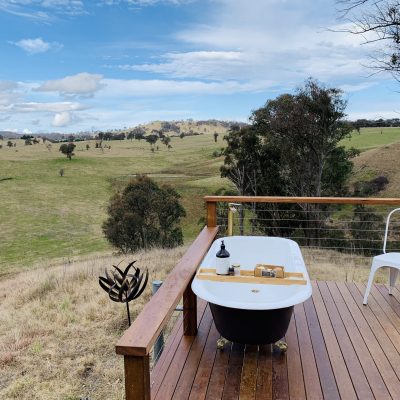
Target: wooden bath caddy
[[247, 276]]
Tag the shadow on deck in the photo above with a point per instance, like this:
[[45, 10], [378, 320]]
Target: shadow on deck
[[338, 349]]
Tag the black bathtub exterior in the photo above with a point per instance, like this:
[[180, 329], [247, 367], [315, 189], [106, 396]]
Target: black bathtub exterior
[[251, 326]]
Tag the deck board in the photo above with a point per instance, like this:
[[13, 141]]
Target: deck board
[[338, 349]]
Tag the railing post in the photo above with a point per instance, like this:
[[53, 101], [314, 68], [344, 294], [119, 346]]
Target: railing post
[[189, 312], [211, 214], [137, 377]]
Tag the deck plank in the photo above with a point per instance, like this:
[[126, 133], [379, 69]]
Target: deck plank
[[308, 362], [167, 355], [280, 384], [385, 306], [387, 337], [218, 373], [338, 349], [325, 371], [343, 380], [353, 364], [202, 378], [294, 366], [234, 372], [264, 373], [391, 299], [365, 345], [380, 324], [184, 384], [249, 373], [168, 382]]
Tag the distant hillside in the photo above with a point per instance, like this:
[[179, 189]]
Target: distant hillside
[[9, 135], [382, 161], [189, 127]]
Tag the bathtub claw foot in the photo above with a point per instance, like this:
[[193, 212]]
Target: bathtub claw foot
[[221, 343], [281, 346]]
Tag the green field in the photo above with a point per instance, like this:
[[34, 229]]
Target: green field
[[48, 217], [45, 218], [371, 138]]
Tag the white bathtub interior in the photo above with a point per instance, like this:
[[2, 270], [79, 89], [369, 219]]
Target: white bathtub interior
[[249, 251]]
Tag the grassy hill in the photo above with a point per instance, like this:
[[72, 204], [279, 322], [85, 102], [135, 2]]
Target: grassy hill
[[45, 216], [372, 138], [381, 161]]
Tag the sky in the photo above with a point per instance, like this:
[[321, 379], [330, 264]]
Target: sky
[[74, 65]]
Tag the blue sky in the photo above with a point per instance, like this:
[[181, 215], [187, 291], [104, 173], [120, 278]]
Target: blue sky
[[71, 65]]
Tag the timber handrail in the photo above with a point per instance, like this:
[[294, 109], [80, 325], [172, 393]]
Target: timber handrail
[[211, 200], [141, 335]]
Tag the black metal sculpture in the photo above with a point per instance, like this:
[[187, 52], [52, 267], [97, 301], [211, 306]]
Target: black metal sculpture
[[123, 287]]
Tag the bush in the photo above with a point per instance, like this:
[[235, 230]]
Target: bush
[[371, 187], [144, 215], [68, 150]]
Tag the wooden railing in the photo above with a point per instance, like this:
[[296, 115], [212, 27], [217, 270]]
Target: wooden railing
[[137, 341], [212, 200]]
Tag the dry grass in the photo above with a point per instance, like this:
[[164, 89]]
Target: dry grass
[[58, 329], [326, 265]]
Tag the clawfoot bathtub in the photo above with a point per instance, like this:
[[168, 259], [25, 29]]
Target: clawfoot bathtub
[[254, 313]]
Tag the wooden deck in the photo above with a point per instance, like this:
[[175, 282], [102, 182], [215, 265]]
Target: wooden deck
[[338, 349]]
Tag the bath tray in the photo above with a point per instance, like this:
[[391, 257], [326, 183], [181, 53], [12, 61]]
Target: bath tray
[[247, 276]]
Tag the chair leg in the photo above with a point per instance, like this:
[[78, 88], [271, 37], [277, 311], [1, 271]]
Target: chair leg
[[393, 273], [370, 281]]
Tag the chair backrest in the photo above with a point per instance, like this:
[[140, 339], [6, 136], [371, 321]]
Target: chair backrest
[[387, 227]]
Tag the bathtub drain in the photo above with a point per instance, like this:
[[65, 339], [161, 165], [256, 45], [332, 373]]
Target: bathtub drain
[[255, 290]]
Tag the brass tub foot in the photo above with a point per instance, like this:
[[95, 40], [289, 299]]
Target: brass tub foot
[[281, 346], [221, 343]]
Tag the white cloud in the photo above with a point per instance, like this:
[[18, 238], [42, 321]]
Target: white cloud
[[146, 2], [42, 10], [36, 46], [283, 41], [349, 88], [83, 84], [56, 107], [219, 65], [154, 87], [62, 119], [8, 93]]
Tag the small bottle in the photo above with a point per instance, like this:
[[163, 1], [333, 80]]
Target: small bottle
[[231, 271], [222, 261], [236, 268]]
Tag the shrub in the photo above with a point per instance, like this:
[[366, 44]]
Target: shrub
[[371, 187], [68, 150], [144, 215]]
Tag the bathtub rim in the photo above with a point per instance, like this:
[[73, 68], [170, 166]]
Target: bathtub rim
[[199, 287]]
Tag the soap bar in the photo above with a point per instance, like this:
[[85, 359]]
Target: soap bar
[[277, 269]]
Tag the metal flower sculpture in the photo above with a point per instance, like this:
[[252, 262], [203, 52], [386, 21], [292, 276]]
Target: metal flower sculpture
[[123, 287]]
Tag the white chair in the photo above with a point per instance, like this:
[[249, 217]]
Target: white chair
[[390, 260]]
